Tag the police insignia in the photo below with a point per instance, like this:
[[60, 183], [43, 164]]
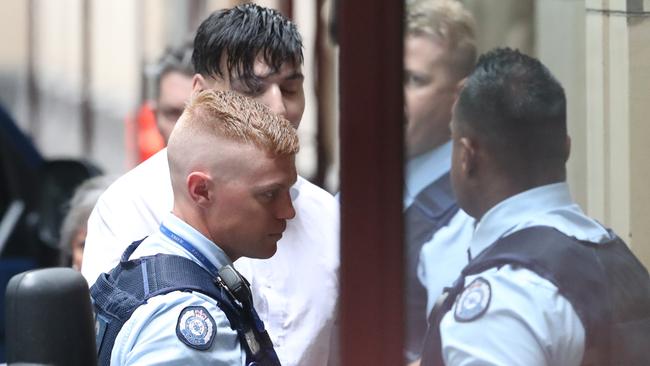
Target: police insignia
[[474, 301], [196, 328]]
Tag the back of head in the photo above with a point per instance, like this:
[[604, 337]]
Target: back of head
[[237, 36], [513, 104], [448, 22], [215, 118]]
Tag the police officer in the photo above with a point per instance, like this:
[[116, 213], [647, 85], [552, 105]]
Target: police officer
[[439, 51], [545, 285], [174, 298]]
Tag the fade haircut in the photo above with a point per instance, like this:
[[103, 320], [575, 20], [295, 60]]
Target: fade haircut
[[449, 22], [240, 35], [513, 103], [174, 59], [232, 116]]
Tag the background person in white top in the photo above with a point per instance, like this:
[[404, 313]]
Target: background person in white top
[[258, 52]]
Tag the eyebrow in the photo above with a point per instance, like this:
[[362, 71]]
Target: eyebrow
[[296, 75]]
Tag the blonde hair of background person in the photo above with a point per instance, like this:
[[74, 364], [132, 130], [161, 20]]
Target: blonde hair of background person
[[449, 22], [73, 229]]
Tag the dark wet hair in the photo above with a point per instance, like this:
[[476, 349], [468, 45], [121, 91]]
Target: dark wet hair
[[514, 104], [240, 34]]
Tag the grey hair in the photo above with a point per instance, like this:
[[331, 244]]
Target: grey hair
[[79, 208]]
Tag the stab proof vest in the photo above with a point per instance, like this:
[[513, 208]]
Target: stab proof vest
[[605, 283], [431, 209], [117, 294]]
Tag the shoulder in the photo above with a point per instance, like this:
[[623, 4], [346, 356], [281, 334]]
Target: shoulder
[[182, 326], [517, 316], [142, 176], [137, 200]]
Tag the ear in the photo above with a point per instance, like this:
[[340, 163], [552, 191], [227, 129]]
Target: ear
[[199, 187], [468, 156], [459, 87], [199, 83]]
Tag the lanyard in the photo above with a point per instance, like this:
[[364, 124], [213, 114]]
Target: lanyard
[[190, 248]]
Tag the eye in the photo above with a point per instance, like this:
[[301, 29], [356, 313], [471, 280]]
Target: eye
[[250, 88], [268, 195], [171, 114], [292, 87], [415, 80]]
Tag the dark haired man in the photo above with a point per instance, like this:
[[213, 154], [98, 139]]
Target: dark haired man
[[257, 52], [546, 285]]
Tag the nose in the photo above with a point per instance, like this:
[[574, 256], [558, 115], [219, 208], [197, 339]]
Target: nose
[[286, 211], [273, 98]]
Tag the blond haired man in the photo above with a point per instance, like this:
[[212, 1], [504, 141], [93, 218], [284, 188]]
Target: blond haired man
[[439, 52], [175, 298]]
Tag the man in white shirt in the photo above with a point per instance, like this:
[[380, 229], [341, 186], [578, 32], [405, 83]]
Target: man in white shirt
[[295, 291]]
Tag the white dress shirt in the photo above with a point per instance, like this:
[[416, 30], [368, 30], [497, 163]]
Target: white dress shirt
[[149, 336], [294, 292], [527, 321]]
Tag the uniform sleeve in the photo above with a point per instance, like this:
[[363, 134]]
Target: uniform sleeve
[[152, 335], [525, 322], [444, 256], [130, 209]]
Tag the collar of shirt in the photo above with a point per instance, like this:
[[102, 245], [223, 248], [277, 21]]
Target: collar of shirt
[[549, 205], [160, 243], [425, 169]]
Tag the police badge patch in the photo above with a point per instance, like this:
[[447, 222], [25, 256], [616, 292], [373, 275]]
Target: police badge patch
[[474, 301], [196, 328]]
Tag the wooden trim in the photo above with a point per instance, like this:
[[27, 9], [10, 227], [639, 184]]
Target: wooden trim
[[372, 114]]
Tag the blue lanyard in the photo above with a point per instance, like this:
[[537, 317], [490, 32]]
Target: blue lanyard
[[190, 248]]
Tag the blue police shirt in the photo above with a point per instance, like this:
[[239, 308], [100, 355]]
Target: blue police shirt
[[524, 320], [151, 336], [445, 255], [425, 169]]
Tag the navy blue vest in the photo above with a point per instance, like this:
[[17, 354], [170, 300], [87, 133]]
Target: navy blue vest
[[431, 209], [117, 294], [605, 283]]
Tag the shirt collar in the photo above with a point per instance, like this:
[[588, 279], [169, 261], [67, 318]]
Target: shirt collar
[[524, 207], [425, 169], [205, 246]]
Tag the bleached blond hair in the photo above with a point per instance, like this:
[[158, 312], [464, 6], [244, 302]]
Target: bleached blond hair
[[237, 118], [449, 22]]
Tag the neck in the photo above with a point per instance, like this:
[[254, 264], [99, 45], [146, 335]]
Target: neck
[[198, 221], [502, 187]]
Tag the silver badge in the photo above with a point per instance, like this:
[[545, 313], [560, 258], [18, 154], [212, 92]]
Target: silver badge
[[474, 301], [196, 328]]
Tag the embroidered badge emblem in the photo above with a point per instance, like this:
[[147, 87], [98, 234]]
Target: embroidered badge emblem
[[196, 328], [474, 301]]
